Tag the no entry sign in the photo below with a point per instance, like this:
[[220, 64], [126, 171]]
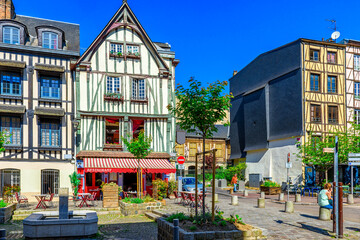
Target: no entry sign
[[181, 160]]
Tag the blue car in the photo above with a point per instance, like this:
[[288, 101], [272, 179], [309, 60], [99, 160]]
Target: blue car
[[188, 184]]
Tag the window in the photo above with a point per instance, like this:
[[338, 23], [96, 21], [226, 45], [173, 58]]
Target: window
[[357, 116], [315, 113], [138, 91], [314, 55], [50, 181], [12, 128], [113, 85], [331, 57], [333, 114], [116, 48], [11, 35], [191, 170], [112, 130], [132, 50], [50, 133], [50, 40], [357, 62], [10, 84], [9, 178], [357, 90], [50, 87], [331, 84], [137, 127], [315, 82]]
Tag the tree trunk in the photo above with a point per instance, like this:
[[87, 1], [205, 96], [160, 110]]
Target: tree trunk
[[203, 203], [326, 175]]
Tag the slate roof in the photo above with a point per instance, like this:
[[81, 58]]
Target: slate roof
[[222, 133], [71, 30]]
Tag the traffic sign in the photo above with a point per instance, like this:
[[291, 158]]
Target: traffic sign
[[181, 160], [328, 150], [354, 163], [288, 165], [352, 155], [354, 159]]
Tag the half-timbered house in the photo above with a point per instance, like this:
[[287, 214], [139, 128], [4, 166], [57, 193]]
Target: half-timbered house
[[124, 83], [36, 101]]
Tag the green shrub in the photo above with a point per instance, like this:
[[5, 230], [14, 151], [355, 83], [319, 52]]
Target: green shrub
[[181, 216], [268, 183], [161, 188], [147, 198], [172, 186], [2, 204], [133, 200], [193, 228]]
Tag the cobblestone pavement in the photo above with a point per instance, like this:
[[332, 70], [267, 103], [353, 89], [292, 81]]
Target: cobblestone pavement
[[276, 224]]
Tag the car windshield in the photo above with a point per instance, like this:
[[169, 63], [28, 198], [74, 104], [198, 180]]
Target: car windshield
[[189, 181]]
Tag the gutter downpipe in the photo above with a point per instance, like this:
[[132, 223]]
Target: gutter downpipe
[[303, 68]]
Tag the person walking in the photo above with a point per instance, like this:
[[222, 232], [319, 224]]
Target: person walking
[[234, 181]]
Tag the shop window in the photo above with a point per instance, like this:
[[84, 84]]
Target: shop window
[[98, 179], [88, 179], [112, 131], [137, 127], [49, 181], [113, 177], [191, 170]]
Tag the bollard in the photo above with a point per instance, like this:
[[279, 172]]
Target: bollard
[[350, 199], [216, 198], [298, 197], [2, 234], [262, 195], [234, 200], [261, 202], [246, 193], [289, 207], [176, 229], [281, 196], [324, 214]]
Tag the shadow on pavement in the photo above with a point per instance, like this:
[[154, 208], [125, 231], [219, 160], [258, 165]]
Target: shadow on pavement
[[306, 227], [353, 229], [309, 216]]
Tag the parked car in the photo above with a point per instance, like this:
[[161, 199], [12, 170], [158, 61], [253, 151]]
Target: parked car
[[188, 184]]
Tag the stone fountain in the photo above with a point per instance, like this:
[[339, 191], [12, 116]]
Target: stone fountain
[[62, 223]]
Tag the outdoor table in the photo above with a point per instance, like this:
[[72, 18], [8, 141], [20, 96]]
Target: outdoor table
[[41, 198], [134, 194], [84, 198]]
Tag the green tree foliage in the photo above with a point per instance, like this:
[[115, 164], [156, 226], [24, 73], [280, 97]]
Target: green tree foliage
[[3, 140], [139, 147], [199, 108], [75, 182]]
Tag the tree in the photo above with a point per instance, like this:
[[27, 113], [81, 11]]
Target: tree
[[75, 182], [199, 108], [140, 148], [4, 138]]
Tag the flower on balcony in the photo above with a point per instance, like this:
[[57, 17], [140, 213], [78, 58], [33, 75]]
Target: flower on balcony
[[113, 95]]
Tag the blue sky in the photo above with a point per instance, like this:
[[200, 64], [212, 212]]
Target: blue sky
[[211, 38]]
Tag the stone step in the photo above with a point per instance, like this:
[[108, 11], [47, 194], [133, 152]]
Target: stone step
[[20, 217], [152, 216], [108, 212], [160, 213]]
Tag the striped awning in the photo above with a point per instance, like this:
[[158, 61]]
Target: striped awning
[[127, 165]]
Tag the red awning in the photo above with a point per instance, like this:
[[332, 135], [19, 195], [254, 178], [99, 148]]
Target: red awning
[[127, 165]]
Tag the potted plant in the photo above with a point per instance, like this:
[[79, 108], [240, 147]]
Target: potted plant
[[119, 54], [172, 186], [270, 188], [160, 189], [75, 182]]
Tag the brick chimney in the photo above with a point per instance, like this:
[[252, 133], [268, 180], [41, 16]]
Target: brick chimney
[[235, 72], [7, 9]]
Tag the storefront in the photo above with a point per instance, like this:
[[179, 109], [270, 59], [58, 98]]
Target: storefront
[[122, 171]]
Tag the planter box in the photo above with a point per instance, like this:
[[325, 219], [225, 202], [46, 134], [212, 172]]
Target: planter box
[[115, 55], [114, 99], [110, 196], [112, 147], [270, 190], [136, 209], [7, 212], [166, 231]]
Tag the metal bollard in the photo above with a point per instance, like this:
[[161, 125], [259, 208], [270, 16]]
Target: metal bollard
[[2, 234], [176, 229]]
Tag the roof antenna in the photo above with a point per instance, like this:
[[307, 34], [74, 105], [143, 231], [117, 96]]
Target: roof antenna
[[336, 34]]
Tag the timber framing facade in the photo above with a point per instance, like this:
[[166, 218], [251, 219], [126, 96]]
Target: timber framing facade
[[36, 102], [280, 98], [124, 83]]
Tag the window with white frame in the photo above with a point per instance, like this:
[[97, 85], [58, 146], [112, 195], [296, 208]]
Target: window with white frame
[[132, 50], [113, 85], [116, 48], [357, 116], [357, 62], [357, 90], [138, 89], [11, 35], [50, 40]]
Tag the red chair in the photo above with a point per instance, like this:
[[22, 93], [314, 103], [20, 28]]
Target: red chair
[[92, 198], [126, 195], [177, 197], [50, 199], [191, 198], [184, 199], [75, 199], [21, 199]]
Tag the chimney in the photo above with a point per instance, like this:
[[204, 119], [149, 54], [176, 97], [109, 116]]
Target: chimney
[[234, 73], [7, 9]]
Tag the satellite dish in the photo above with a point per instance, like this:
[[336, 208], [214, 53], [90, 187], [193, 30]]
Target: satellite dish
[[335, 35]]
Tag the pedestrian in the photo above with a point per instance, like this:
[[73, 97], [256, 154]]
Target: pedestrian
[[325, 197], [234, 181]]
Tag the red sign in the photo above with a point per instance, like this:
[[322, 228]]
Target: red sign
[[181, 160]]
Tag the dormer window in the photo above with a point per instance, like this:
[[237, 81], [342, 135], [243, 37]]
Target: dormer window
[[50, 40], [11, 35]]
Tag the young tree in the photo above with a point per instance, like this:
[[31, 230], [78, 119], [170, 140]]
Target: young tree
[[4, 138], [140, 148], [199, 108]]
